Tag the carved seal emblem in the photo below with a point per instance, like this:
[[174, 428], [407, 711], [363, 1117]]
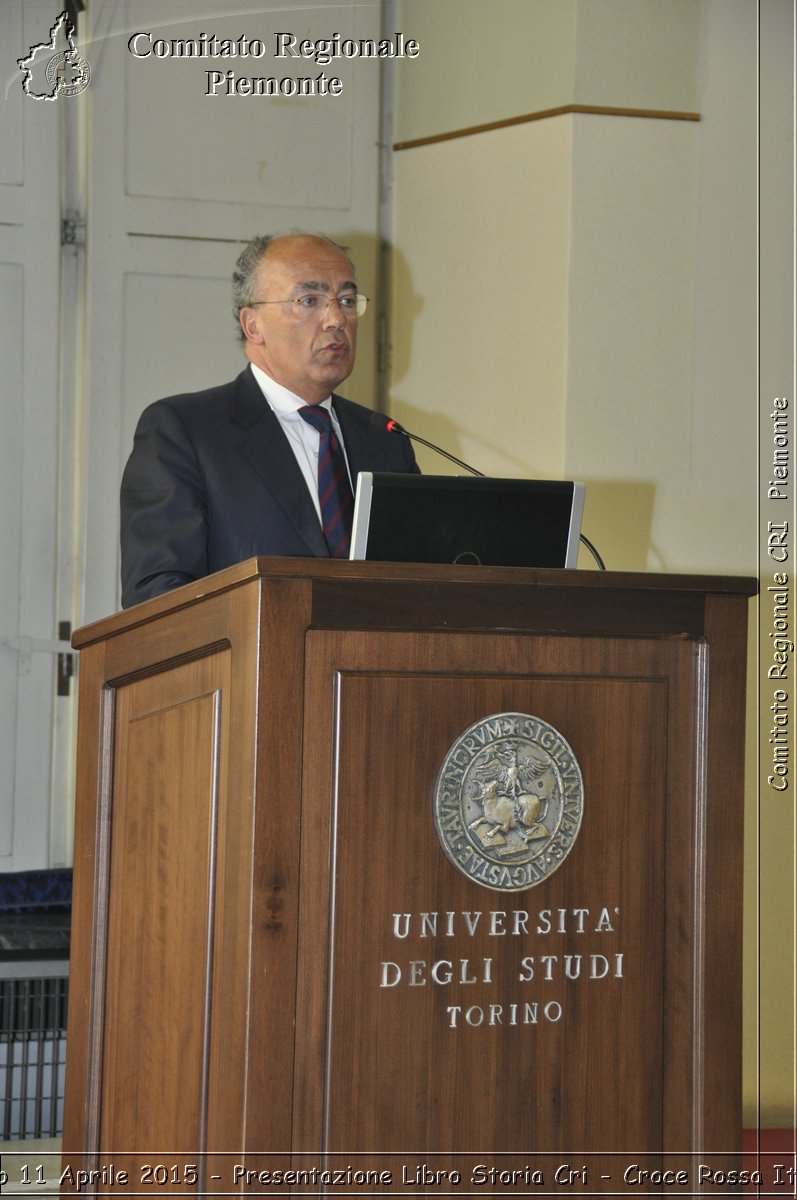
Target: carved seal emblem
[[508, 801]]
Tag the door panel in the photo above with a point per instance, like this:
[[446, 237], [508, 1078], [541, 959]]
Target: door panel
[[30, 254], [178, 180]]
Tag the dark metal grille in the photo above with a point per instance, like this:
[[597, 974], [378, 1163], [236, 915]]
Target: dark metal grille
[[32, 1057]]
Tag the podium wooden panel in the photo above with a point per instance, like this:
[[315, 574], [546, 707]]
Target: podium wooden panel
[[276, 965]]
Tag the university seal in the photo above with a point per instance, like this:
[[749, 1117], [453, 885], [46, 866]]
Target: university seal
[[508, 801]]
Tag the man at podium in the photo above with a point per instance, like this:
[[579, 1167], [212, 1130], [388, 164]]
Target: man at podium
[[265, 464]]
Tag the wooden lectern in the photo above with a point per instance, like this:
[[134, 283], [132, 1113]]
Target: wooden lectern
[[277, 962]]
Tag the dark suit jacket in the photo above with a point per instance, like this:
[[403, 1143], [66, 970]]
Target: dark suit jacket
[[212, 480]]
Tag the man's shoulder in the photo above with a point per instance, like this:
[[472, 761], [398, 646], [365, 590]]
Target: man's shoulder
[[371, 445], [205, 398], [351, 410], [221, 402]]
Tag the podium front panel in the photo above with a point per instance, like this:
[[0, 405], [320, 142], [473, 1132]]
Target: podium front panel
[[437, 1011]]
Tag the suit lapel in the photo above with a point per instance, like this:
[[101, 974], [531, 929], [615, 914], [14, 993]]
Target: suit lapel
[[265, 448]]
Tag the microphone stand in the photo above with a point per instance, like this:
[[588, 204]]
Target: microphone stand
[[394, 427]]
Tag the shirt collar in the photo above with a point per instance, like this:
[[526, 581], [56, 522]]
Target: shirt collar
[[282, 401]]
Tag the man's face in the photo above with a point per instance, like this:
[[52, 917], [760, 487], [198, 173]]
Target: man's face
[[308, 347]]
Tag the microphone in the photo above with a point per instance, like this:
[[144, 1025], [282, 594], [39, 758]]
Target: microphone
[[392, 426]]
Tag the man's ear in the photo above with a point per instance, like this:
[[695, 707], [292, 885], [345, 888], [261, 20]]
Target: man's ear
[[248, 319]]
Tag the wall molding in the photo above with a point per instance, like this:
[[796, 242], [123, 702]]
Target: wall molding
[[565, 110]]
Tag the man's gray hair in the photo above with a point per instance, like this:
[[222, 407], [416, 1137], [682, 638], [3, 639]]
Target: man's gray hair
[[247, 263]]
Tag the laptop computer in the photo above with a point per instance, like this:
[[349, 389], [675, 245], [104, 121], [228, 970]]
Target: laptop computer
[[464, 519]]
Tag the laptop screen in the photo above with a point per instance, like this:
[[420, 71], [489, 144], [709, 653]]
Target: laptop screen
[[463, 519]]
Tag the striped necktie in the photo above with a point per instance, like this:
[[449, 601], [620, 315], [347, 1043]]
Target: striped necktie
[[334, 489]]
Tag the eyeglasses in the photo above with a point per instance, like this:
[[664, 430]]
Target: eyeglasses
[[351, 304]]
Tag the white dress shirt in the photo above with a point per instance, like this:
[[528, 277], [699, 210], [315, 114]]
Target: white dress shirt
[[303, 439]]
